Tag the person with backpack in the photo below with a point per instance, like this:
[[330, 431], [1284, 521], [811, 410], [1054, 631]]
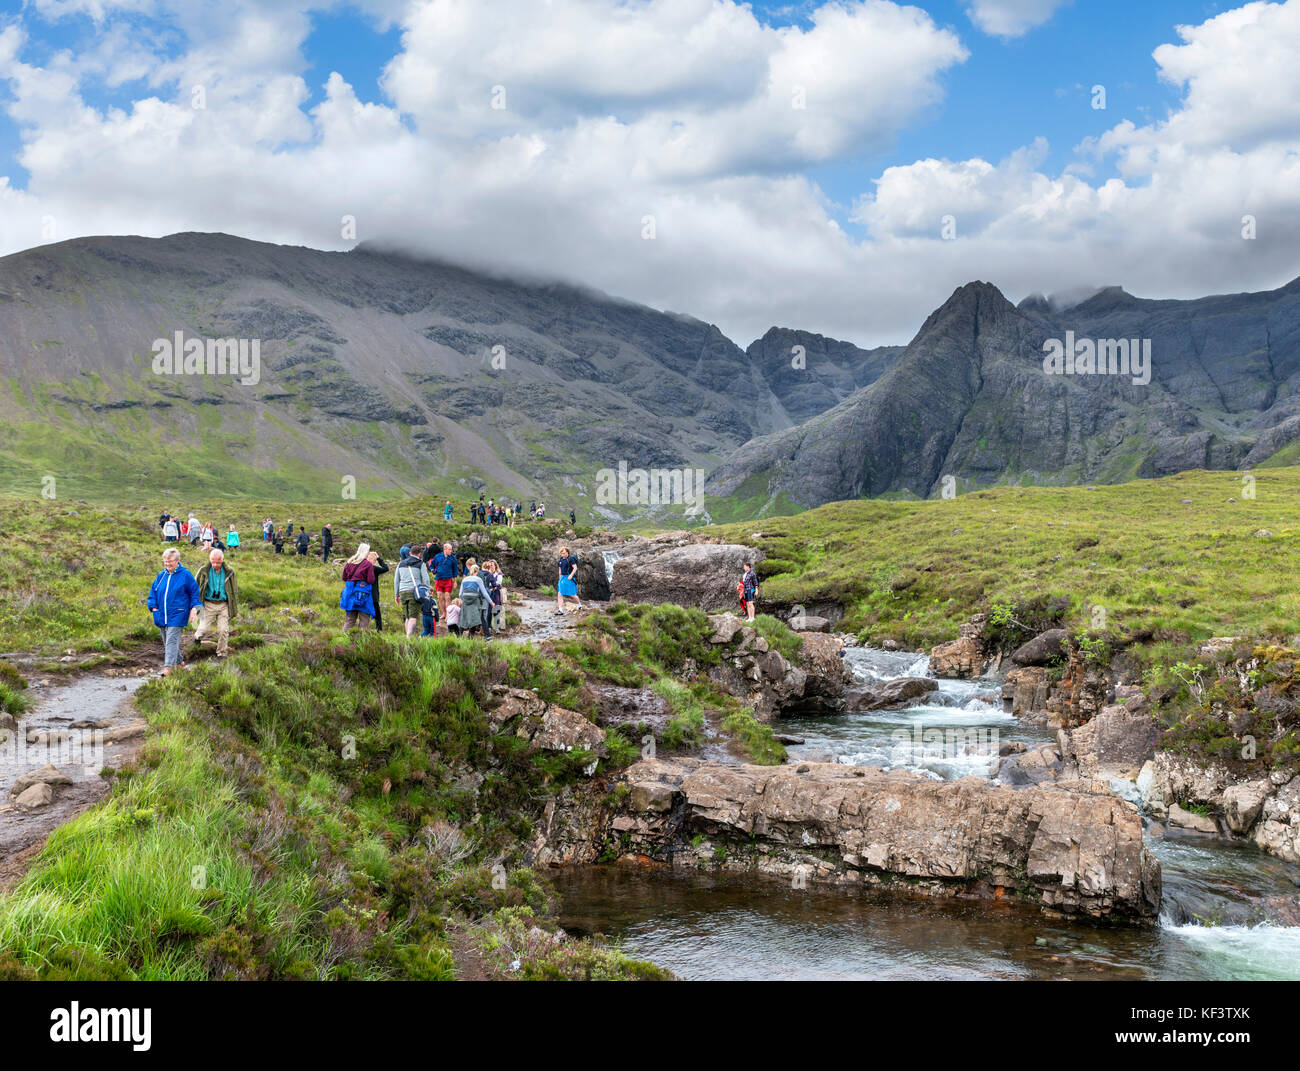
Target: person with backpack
[[445, 571], [326, 542], [573, 517], [217, 589], [410, 588], [195, 530], [749, 589], [357, 600], [475, 604], [567, 584], [174, 600]]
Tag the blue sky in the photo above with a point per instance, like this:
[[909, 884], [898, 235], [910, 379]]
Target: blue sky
[[679, 111]]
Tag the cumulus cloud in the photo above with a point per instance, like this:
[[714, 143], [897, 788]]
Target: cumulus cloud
[[680, 116], [1011, 18]]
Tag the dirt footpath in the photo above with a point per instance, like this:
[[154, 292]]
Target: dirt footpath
[[75, 730]]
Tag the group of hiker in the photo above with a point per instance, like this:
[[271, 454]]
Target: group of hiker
[[278, 535], [432, 587], [191, 530]]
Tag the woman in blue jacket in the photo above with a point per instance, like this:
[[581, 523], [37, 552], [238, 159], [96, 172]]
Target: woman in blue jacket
[[174, 599]]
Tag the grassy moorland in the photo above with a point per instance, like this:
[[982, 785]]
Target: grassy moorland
[[1164, 563], [343, 809]]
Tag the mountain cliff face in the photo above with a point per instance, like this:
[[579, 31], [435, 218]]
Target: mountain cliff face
[[404, 374], [970, 399]]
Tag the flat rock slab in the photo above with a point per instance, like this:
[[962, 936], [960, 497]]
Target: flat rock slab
[[1069, 850]]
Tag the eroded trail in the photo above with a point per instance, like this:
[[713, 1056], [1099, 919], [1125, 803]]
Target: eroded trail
[[75, 731]]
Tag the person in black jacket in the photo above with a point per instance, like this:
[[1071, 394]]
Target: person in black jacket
[[277, 540], [301, 542], [326, 542], [381, 567]]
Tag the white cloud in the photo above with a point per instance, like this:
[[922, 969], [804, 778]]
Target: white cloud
[[1011, 18], [679, 109]]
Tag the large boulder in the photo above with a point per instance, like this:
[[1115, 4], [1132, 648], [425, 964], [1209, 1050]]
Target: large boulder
[[881, 695], [1115, 743], [696, 574], [1044, 648], [1278, 830], [1243, 803], [964, 657], [1073, 852]]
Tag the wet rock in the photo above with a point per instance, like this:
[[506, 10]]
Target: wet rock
[[1035, 766], [7, 721], [1243, 804], [880, 695], [1189, 820], [616, 705], [1278, 831], [38, 795], [1044, 648], [810, 623], [46, 775]]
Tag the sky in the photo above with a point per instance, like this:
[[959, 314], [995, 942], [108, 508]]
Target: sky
[[839, 167]]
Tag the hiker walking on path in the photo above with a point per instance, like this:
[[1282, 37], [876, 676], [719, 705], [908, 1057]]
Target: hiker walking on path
[[170, 531], [195, 530], [447, 512], [232, 538], [301, 542], [492, 576], [277, 540], [410, 587], [219, 595], [475, 604], [567, 584], [749, 589], [326, 542], [445, 571], [381, 567], [357, 599], [174, 600]]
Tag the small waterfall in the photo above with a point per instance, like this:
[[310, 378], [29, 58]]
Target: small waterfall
[[610, 556]]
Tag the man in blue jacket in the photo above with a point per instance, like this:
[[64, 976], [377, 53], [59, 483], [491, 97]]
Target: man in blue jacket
[[174, 599]]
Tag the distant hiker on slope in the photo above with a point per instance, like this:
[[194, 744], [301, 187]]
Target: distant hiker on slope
[[357, 599], [447, 511], [277, 540], [170, 531], [174, 600], [232, 538], [217, 589], [326, 542], [567, 584], [301, 542]]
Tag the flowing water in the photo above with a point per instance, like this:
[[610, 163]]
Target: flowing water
[[1229, 911]]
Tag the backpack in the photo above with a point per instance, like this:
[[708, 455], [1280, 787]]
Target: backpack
[[740, 590]]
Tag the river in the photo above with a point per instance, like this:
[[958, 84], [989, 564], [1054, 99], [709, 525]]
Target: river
[[1223, 918]]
